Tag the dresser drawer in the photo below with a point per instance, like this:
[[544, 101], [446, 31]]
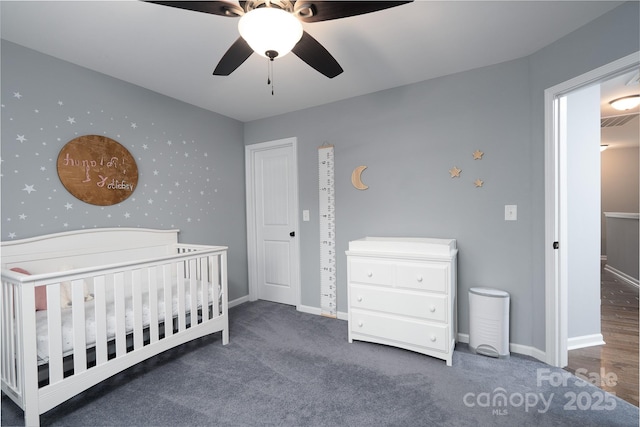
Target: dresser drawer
[[400, 330], [407, 303], [427, 276], [369, 271]]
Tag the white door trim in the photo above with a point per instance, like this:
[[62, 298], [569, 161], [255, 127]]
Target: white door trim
[[556, 284], [250, 151]]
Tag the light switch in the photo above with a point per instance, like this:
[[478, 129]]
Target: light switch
[[510, 212], [305, 215]]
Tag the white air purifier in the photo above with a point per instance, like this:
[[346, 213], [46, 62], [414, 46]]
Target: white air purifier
[[489, 322]]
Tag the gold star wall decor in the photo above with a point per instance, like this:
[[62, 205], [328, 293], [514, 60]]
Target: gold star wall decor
[[455, 172], [477, 155]]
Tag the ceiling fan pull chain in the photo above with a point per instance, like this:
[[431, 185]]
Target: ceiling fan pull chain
[[270, 74], [268, 71]]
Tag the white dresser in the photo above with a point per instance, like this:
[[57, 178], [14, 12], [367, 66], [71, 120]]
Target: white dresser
[[402, 292]]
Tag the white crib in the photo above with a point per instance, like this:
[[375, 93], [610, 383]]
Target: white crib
[[96, 302]]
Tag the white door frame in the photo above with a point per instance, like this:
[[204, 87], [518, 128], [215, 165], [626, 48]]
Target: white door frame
[[249, 158], [556, 282]]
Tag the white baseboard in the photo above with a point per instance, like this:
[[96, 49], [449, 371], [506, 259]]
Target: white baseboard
[[315, 310], [622, 276], [585, 341], [238, 301], [514, 348], [463, 338]]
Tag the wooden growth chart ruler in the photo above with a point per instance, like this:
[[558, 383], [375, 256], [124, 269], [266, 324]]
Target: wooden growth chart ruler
[[327, 200]]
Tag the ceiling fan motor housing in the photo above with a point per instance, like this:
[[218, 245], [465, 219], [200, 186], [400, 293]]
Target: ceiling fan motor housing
[[278, 4]]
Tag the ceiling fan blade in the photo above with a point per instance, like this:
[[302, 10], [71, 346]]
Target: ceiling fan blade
[[316, 11], [222, 8], [313, 53], [233, 58]]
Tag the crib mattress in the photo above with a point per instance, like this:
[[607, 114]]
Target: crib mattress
[[90, 320]]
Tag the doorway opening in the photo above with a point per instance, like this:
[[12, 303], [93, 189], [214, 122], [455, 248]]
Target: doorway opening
[[556, 253]]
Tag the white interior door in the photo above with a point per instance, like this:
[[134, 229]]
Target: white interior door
[[272, 201]]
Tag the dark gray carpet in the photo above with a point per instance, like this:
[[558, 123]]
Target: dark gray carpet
[[286, 368]]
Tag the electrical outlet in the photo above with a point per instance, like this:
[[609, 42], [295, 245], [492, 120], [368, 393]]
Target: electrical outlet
[[305, 215], [510, 212]]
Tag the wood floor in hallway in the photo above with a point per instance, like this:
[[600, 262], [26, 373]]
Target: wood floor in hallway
[[618, 358]]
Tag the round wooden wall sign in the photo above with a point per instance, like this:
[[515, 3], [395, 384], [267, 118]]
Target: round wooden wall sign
[[97, 170]]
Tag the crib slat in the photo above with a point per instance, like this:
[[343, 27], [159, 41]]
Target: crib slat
[[99, 300], [138, 337], [153, 305], [168, 300], [54, 328], [119, 311], [206, 284], [26, 311], [7, 324], [215, 282], [79, 327], [10, 347], [182, 322], [193, 292], [225, 296]]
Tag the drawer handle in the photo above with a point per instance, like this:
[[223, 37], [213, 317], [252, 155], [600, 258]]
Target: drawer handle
[[370, 274], [359, 298], [360, 323], [433, 338], [419, 279], [432, 308]]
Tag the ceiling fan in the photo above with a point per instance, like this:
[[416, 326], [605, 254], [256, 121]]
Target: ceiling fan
[[273, 28]]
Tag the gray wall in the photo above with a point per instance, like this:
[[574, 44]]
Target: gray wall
[[194, 183], [409, 137], [622, 247], [620, 183]]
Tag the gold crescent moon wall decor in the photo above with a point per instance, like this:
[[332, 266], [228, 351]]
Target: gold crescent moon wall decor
[[356, 178]]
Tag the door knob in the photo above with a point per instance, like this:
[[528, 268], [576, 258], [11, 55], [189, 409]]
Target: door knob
[[292, 234]]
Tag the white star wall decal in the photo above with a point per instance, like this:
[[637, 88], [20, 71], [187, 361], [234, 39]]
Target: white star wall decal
[[158, 200]]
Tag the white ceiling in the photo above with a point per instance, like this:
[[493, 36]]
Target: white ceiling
[[174, 51]]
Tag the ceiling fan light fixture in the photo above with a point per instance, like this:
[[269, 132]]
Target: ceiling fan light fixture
[[271, 32], [626, 102]]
